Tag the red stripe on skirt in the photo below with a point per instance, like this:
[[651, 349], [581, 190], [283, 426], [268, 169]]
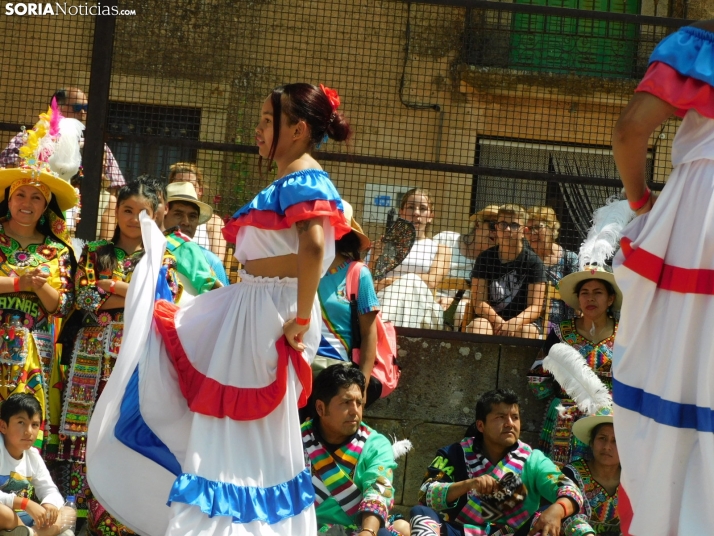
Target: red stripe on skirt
[[667, 277], [210, 397], [624, 511]]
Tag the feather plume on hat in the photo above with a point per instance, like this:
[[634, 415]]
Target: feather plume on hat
[[573, 374]]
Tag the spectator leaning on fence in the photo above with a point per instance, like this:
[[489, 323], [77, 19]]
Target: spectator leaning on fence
[[508, 282], [407, 292], [542, 233], [465, 249]]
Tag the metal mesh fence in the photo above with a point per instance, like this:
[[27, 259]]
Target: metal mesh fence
[[479, 104]]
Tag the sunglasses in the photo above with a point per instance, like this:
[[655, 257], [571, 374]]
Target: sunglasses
[[512, 225], [77, 108]]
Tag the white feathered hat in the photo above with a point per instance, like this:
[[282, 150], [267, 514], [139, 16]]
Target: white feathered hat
[[50, 156], [599, 246]]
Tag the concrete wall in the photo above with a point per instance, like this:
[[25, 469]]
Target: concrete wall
[[436, 398]]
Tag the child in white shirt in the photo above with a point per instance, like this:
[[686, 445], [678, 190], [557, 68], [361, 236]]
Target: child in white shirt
[[22, 470]]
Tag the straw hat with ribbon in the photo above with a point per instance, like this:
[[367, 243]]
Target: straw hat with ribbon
[[583, 428], [364, 241], [185, 192], [49, 158]]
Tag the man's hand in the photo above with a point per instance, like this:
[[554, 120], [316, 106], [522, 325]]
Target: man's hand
[[484, 485], [549, 522]]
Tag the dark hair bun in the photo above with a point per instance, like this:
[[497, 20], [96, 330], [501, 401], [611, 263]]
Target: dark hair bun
[[339, 128]]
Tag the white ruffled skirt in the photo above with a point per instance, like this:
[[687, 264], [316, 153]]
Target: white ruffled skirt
[[204, 416], [663, 363]]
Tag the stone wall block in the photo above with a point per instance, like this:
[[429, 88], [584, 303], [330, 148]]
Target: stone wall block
[[440, 382]]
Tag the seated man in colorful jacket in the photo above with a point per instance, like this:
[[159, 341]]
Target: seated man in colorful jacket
[[195, 274], [352, 465], [492, 483]]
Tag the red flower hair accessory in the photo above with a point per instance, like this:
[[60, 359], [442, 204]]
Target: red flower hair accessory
[[332, 95]]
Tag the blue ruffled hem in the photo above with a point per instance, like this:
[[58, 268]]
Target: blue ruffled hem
[[245, 504], [690, 51], [307, 185]]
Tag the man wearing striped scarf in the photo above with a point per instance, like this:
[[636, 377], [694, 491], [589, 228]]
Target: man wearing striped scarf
[[491, 482], [351, 463]]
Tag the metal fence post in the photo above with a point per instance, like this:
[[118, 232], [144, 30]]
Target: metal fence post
[[93, 154]]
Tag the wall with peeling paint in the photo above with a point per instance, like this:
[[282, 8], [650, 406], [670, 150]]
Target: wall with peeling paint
[[436, 398]]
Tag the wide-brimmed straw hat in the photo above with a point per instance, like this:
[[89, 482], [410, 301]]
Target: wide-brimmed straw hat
[[364, 242], [593, 271], [50, 156], [185, 192], [488, 213], [582, 429]]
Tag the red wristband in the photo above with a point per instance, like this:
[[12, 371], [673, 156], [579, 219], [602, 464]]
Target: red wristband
[[565, 510], [16, 284], [637, 205], [302, 321], [24, 502], [111, 287]]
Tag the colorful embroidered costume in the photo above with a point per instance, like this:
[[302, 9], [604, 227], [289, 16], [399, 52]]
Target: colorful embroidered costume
[[353, 479], [27, 343], [557, 440], [92, 360], [473, 515], [663, 361], [205, 410], [599, 513]]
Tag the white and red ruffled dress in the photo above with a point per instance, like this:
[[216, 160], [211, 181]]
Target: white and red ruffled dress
[[663, 362], [201, 411]]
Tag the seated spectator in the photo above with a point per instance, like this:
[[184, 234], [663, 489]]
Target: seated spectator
[[208, 235], [194, 273], [598, 478], [493, 481], [352, 465], [72, 103], [465, 248], [23, 474], [407, 292], [186, 212], [508, 282], [336, 341], [542, 232]]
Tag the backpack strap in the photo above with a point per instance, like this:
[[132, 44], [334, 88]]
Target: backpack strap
[[352, 283]]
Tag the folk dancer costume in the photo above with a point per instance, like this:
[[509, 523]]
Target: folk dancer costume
[[556, 439], [49, 158], [534, 477], [663, 361], [591, 396], [599, 514], [350, 479], [92, 360], [202, 408]]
